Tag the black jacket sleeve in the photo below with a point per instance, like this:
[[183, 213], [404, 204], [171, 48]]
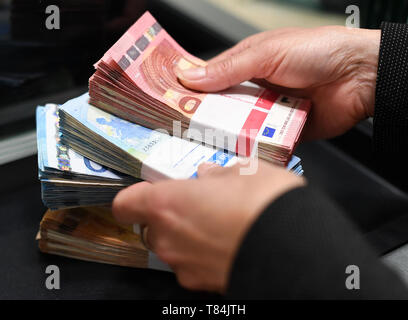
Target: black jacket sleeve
[[302, 244], [300, 248], [390, 137]]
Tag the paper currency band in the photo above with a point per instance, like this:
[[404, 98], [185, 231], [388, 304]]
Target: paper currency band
[[249, 132], [272, 116]]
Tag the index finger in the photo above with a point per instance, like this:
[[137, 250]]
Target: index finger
[[237, 48], [249, 42], [130, 204]]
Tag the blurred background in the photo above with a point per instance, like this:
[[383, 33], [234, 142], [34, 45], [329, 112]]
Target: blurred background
[[39, 66]]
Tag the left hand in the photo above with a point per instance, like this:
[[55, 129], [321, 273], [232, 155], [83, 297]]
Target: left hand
[[196, 225], [334, 66]]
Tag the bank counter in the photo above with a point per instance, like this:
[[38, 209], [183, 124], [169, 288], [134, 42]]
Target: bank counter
[[341, 167]]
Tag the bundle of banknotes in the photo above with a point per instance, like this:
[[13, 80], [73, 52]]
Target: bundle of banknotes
[[86, 155], [92, 234], [68, 179], [136, 80]]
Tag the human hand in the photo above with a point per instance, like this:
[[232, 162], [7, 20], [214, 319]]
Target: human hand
[[196, 225], [335, 67]]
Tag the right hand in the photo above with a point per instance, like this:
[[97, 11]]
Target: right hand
[[335, 67], [197, 225]]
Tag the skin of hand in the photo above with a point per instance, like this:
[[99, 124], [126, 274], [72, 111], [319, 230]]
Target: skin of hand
[[335, 67], [197, 225]]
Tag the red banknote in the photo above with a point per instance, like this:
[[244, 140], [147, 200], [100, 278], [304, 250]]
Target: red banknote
[[135, 80]]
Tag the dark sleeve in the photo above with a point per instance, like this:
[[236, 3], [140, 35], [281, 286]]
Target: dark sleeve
[[390, 136], [300, 247]]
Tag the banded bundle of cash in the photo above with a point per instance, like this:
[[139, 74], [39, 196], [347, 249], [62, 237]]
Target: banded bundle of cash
[[92, 234], [135, 80], [130, 148], [86, 155], [69, 179]]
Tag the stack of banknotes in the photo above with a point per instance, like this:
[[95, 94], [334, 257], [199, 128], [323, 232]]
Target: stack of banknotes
[[69, 136], [86, 155], [69, 179], [123, 131], [136, 80], [92, 234]]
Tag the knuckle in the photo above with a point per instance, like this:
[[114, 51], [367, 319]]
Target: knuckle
[[225, 66], [246, 43], [158, 201], [161, 247], [223, 70], [269, 66], [157, 217]]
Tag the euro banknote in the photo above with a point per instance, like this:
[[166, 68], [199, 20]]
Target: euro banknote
[[95, 236], [135, 80], [130, 148], [67, 178], [54, 157]]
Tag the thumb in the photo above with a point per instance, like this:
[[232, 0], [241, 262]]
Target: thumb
[[223, 74]]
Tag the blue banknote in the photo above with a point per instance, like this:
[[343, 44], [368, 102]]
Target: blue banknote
[[159, 154], [55, 157]]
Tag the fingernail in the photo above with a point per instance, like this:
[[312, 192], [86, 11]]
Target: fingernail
[[191, 74]]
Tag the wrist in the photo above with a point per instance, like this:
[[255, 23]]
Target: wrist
[[368, 49]]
